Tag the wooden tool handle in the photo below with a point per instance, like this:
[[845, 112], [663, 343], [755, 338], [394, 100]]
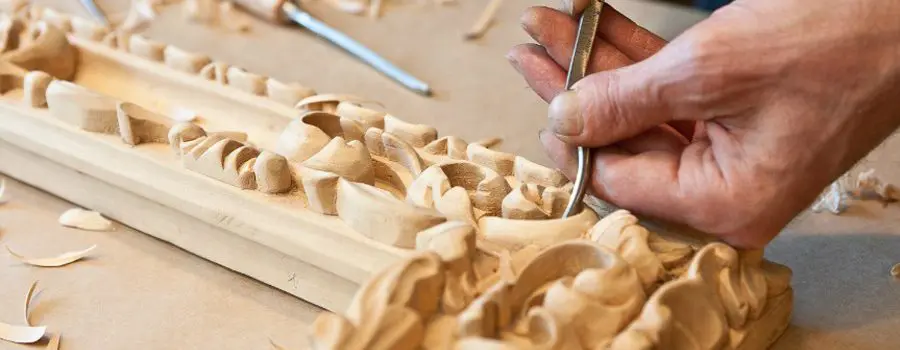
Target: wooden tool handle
[[267, 9]]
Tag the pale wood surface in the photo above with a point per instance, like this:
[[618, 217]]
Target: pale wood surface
[[134, 292], [142, 293]]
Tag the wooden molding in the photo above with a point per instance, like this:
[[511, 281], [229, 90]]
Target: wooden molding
[[450, 243]]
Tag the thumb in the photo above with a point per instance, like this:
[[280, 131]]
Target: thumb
[[606, 107]]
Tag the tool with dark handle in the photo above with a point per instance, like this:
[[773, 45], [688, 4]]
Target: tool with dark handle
[[283, 11], [581, 55]]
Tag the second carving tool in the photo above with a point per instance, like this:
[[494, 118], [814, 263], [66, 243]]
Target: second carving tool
[[95, 11], [581, 56], [282, 11]]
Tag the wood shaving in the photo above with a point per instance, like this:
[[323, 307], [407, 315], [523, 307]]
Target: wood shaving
[[834, 199], [870, 187], [484, 20], [54, 342], [85, 220], [56, 261], [895, 271], [23, 334], [2, 191], [28, 298]]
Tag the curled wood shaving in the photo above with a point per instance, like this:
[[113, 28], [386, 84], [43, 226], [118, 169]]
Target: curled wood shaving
[[54, 342], [56, 261], [23, 334], [2, 191], [484, 20], [28, 298], [85, 220], [895, 271]]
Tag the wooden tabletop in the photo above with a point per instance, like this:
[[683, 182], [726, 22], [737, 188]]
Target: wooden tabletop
[[136, 292]]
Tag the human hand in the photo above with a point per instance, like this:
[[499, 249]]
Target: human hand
[[735, 126]]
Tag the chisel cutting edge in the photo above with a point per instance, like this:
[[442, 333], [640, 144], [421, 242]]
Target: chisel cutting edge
[[581, 55]]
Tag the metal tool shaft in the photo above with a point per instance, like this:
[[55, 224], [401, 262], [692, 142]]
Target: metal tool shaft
[[95, 11], [581, 55], [345, 42]]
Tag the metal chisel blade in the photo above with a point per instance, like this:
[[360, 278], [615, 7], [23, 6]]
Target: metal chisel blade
[[95, 11], [581, 55]]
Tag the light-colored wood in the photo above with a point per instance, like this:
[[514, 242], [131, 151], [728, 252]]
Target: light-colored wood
[[146, 48], [35, 88], [184, 61], [574, 295], [81, 107], [209, 241], [266, 9], [377, 203]]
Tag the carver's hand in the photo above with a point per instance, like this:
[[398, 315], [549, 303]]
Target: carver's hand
[[736, 125]]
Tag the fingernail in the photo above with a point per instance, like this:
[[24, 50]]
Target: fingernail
[[529, 21], [513, 61], [565, 114]]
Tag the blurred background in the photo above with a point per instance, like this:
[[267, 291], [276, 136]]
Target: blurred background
[[709, 5]]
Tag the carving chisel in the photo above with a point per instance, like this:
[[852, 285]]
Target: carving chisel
[[283, 11], [581, 55], [95, 11]]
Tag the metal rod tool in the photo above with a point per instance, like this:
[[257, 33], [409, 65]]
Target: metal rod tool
[[285, 10], [581, 55], [95, 11]]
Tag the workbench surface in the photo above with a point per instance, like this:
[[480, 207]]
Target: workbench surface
[[136, 292]]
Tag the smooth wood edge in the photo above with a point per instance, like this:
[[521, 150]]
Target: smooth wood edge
[[178, 77], [314, 238], [222, 247]]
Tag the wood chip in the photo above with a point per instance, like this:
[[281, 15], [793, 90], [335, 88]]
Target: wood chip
[[28, 298], [484, 20], [895, 271], [56, 261], [85, 220], [54, 342], [2, 191], [23, 334]]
